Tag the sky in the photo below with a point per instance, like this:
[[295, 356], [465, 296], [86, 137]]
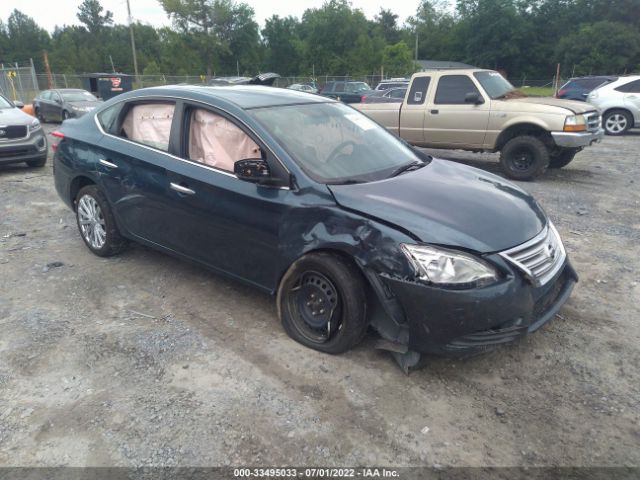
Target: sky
[[63, 12]]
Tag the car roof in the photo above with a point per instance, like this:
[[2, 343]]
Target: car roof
[[243, 96]]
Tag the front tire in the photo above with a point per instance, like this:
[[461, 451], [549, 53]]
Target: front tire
[[617, 122], [563, 157], [96, 223], [322, 303], [524, 158]]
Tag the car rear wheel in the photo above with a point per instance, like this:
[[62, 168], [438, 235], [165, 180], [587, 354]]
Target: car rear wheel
[[524, 158], [563, 157], [322, 303], [37, 163], [96, 223], [616, 122]]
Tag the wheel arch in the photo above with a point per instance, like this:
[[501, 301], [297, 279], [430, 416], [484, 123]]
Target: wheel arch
[[78, 183], [523, 128], [623, 109]]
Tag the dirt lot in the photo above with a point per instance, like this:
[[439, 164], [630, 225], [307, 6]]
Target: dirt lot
[[145, 360]]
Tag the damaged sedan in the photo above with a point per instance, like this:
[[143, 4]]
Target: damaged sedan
[[308, 199]]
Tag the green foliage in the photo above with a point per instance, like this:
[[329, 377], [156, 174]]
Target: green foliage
[[520, 37]]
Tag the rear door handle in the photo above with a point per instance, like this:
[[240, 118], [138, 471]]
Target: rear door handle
[[107, 163], [180, 189], [434, 112]]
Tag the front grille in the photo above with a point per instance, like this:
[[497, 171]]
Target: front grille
[[593, 121], [16, 152], [12, 132], [540, 258]]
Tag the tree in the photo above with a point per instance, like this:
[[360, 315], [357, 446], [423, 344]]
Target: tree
[[397, 60], [25, 39], [90, 14], [386, 24], [284, 48]]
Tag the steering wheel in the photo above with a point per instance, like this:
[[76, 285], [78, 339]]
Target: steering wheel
[[334, 153]]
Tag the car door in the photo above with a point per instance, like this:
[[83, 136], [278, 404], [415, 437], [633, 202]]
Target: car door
[[632, 99], [227, 223], [56, 105], [44, 104], [451, 121], [413, 111]]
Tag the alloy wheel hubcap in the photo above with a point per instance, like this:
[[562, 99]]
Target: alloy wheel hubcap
[[91, 220], [616, 123]]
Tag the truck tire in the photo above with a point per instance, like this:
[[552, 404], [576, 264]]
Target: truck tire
[[524, 158], [563, 157]]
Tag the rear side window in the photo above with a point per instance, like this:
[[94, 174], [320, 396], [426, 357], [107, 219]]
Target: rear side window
[[631, 87], [452, 89], [418, 92], [149, 124], [108, 118], [338, 87]]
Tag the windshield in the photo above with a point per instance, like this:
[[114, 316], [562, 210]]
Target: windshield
[[494, 84], [356, 87], [4, 103], [334, 143], [78, 96]]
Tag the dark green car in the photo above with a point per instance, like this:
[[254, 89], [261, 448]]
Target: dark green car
[[347, 92]]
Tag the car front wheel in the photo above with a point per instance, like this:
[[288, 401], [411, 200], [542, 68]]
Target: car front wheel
[[616, 122], [322, 303], [96, 223], [524, 158]]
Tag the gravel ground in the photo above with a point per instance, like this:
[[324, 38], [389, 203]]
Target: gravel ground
[[145, 360]]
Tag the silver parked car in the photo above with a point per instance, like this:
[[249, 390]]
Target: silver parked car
[[63, 103], [303, 87], [21, 136], [619, 103]]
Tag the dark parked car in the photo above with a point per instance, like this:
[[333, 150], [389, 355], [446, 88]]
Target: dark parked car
[[21, 136], [392, 95], [58, 105], [578, 88], [306, 198], [347, 92], [267, 79]]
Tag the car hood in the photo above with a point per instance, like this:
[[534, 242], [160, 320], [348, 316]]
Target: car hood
[[14, 116], [571, 105], [448, 204]]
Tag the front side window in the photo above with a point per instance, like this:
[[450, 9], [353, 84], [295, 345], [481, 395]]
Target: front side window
[[4, 103], [149, 124], [452, 89], [78, 96], [356, 87], [334, 143], [218, 142], [398, 93], [338, 87]]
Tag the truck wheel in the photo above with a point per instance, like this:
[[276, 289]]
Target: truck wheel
[[616, 122], [563, 157], [322, 303], [524, 158]]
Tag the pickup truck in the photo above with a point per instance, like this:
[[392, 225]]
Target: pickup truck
[[480, 111]]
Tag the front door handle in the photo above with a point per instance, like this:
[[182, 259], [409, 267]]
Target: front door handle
[[434, 112], [180, 189], [107, 163]]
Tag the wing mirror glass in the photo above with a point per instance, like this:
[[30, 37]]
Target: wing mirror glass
[[18, 104], [473, 97], [254, 170]]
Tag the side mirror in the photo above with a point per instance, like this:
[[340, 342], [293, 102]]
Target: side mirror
[[254, 170], [18, 104], [473, 97]]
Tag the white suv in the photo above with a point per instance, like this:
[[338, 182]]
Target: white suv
[[619, 103]]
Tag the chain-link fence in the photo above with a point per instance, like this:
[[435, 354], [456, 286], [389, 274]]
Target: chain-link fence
[[18, 82]]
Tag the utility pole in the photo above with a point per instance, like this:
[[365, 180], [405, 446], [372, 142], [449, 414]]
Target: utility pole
[[416, 44], [133, 45]]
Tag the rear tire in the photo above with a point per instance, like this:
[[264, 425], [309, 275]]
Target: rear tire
[[40, 162], [563, 157], [96, 223], [322, 303], [617, 122], [524, 158]]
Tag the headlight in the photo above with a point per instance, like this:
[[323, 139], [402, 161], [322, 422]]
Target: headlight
[[448, 267], [82, 109], [35, 125], [575, 123]]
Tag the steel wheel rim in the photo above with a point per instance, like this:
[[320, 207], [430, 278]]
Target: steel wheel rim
[[91, 222], [315, 307], [616, 123], [522, 159]]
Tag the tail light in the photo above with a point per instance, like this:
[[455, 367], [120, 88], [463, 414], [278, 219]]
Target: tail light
[[59, 135], [561, 93], [363, 98]]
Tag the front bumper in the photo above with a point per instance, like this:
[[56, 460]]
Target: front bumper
[[461, 322], [577, 139], [33, 147]]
